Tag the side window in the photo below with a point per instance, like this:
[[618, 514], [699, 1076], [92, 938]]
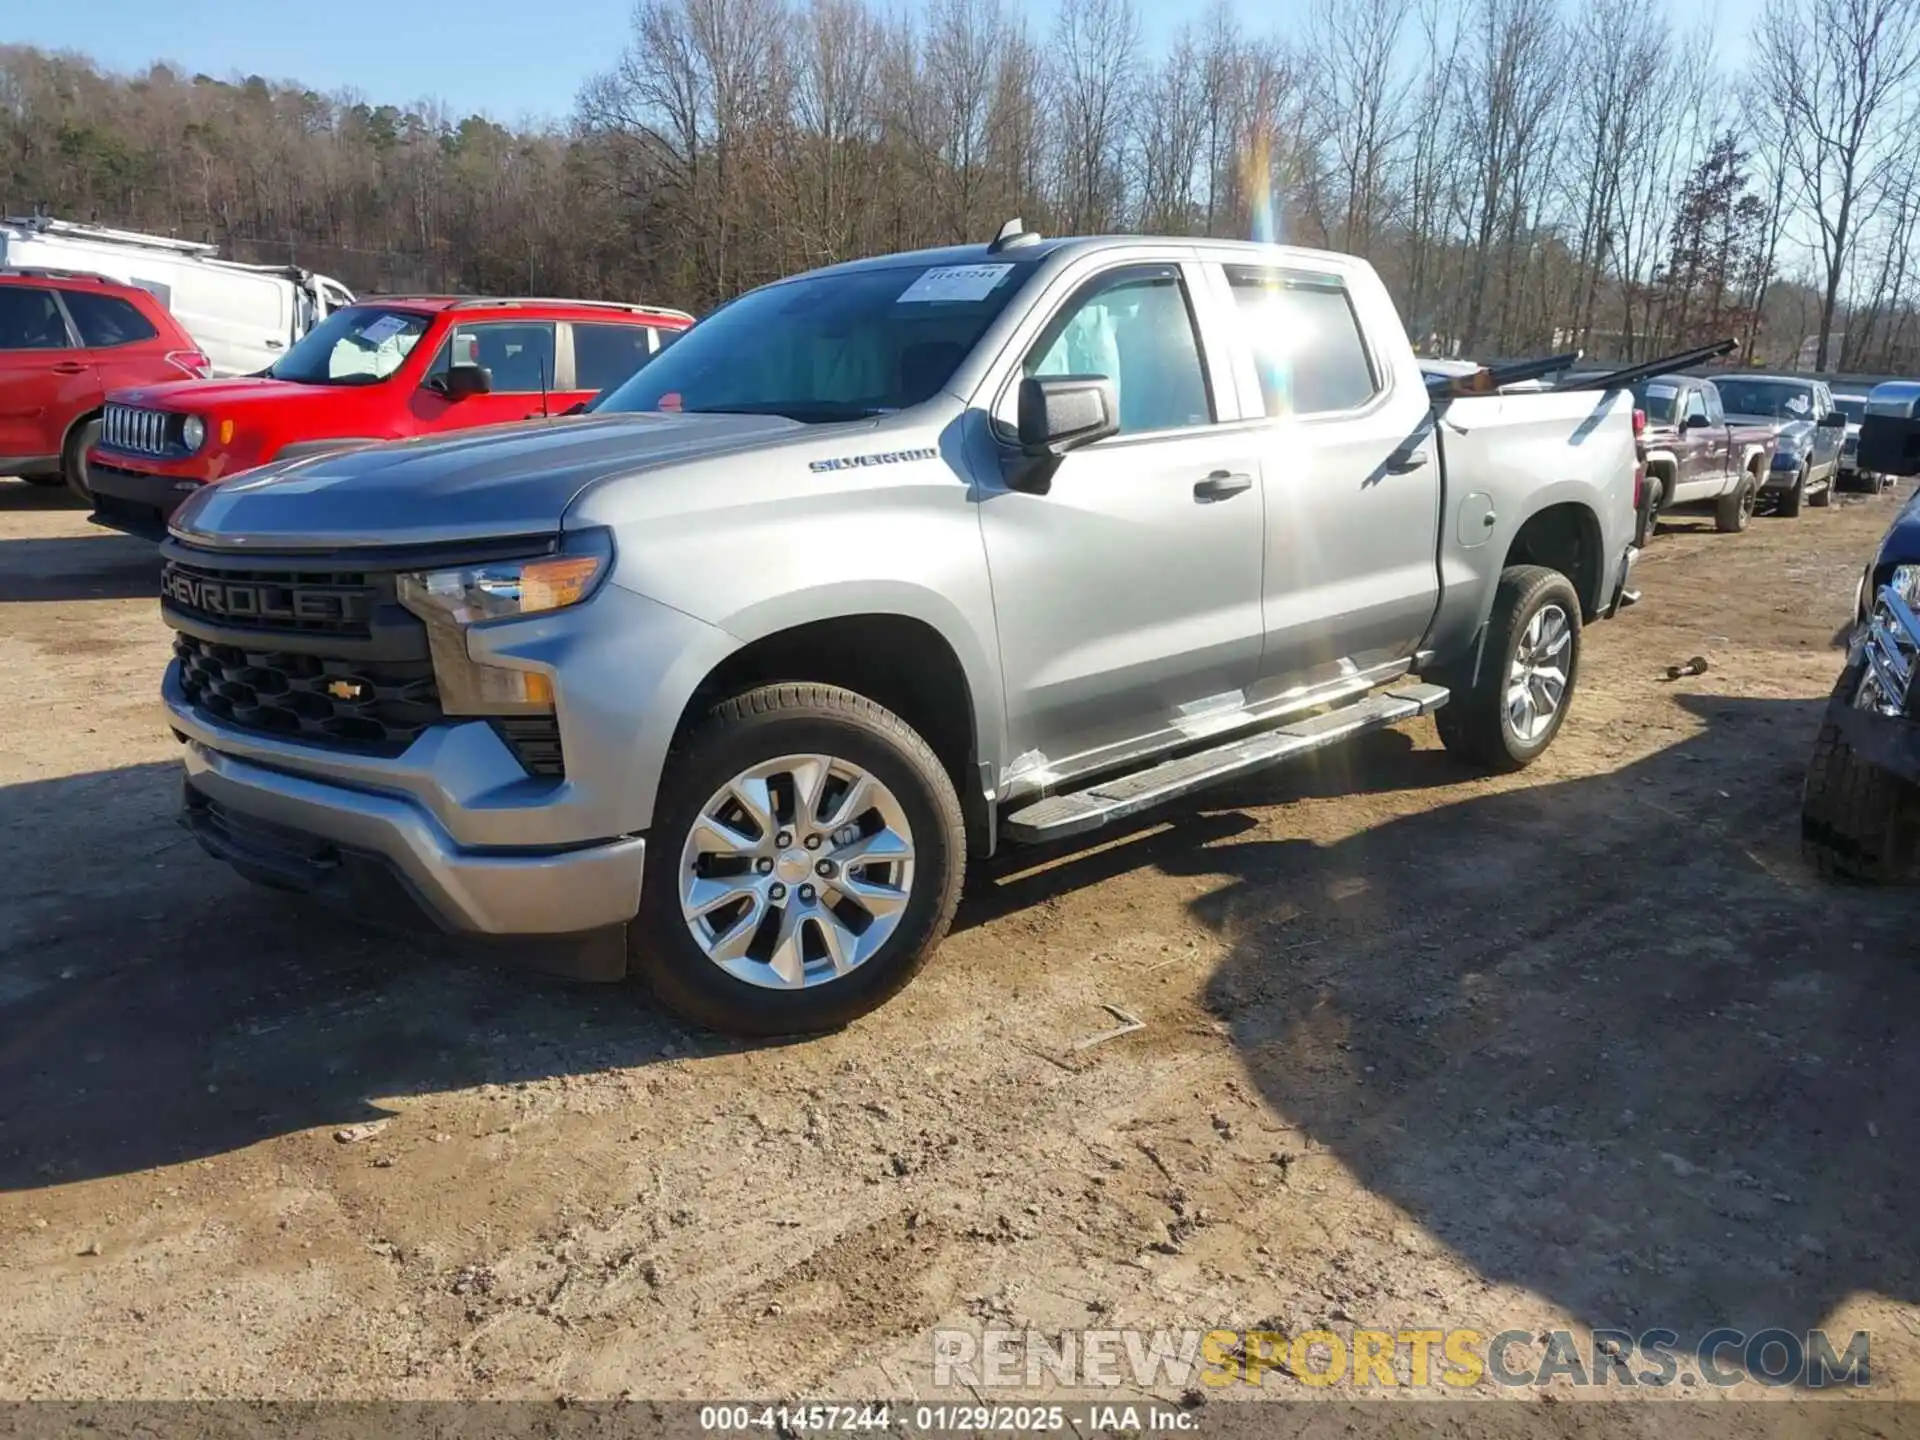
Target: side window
[[606, 355], [1715, 412], [1135, 328], [1696, 405], [519, 353], [30, 319], [1306, 341], [106, 320]]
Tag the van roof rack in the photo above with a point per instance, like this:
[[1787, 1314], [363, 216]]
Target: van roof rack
[[49, 272], [47, 225]]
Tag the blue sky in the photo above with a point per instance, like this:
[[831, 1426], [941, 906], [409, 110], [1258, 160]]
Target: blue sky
[[507, 58]]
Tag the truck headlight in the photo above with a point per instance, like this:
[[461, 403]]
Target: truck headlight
[[500, 589], [1905, 581], [193, 432]]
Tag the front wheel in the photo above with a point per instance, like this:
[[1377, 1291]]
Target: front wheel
[[1733, 512], [1503, 718], [1790, 501], [805, 862], [1823, 497], [1857, 821], [73, 460]]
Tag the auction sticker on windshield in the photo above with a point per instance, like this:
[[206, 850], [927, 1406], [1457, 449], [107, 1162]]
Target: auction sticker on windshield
[[954, 282], [385, 328]]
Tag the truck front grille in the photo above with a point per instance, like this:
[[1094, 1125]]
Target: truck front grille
[[304, 602], [376, 706], [141, 431]]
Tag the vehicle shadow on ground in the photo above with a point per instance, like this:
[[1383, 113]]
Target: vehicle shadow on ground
[[19, 496], [155, 1009], [103, 566], [1609, 1040]]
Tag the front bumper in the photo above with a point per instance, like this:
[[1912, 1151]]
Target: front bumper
[[1875, 715], [370, 847], [1778, 480], [136, 502]]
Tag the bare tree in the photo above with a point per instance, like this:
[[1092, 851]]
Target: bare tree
[[1838, 70], [1096, 46]]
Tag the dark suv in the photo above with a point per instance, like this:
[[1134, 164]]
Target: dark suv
[[66, 339]]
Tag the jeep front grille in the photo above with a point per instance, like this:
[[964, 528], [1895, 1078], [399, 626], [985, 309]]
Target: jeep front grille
[[139, 430]]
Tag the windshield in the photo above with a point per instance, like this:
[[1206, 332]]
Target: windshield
[[827, 347], [1781, 399], [1657, 398], [361, 345], [1854, 407]]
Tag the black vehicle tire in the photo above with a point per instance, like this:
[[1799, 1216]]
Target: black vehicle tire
[[1857, 821], [754, 729], [1733, 511], [1822, 498], [73, 460], [1656, 497], [1475, 723], [1788, 505]]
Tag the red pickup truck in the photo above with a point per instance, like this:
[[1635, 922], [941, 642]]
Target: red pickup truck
[[383, 369]]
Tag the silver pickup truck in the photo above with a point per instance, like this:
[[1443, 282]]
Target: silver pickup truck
[[875, 570]]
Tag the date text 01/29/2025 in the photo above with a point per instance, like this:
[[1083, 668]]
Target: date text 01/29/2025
[[933, 1420]]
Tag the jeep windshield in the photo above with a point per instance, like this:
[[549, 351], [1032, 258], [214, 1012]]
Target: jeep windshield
[[361, 345], [1775, 399], [838, 346]]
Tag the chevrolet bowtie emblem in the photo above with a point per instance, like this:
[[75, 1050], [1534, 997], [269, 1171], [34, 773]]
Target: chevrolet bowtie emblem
[[347, 689]]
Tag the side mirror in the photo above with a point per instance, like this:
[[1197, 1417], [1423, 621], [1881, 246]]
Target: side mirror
[[1890, 434], [467, 380], [1062, 413], [1695, 422], [1834, 420]]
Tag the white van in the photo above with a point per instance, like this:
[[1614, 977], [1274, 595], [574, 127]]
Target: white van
[[243, 316]]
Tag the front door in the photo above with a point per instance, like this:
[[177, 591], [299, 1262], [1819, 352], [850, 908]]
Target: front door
[[519, 356], [44, 380], [1127, 598]]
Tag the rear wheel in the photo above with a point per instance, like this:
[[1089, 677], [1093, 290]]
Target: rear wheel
[[1656, 497], [1504, 718], [1823, 497], [805, 862], [1857, 821], [1733, 512], [73, 462]]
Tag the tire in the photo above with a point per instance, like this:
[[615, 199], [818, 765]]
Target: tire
[[73, 459], [1822, 498], [1656, 497], [1789, 503], [1733, 512], [762, 728], [1475, 723], [1857, 821]]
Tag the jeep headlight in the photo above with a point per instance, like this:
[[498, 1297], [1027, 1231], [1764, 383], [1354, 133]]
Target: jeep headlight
[[452, 599], [500, 589], [193, 432]]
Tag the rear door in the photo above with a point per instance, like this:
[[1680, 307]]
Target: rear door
[[519, 354], [606, 355], [1350, 472], [117, 340], [45, 381]]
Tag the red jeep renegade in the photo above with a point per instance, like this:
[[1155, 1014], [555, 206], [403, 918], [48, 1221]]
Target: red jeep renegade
[[382, 369]]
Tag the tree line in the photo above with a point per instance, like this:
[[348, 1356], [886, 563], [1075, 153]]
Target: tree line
[[1525, 177]]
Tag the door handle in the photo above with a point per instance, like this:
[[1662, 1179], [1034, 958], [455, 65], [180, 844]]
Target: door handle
[[1220, 485], [1405, 462], [67, 367]]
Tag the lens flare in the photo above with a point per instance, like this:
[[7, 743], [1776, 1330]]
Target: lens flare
[[1273, 328]]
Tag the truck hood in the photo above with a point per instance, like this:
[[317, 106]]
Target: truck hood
[[1782, 429], [488, 483]]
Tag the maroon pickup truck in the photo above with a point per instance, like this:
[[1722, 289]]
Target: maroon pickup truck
[[1696, 459]]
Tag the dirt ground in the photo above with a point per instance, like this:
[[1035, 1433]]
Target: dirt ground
[[1588, 1047]]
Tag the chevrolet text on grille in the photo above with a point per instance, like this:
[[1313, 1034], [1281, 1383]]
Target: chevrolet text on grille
[[246, 600]]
